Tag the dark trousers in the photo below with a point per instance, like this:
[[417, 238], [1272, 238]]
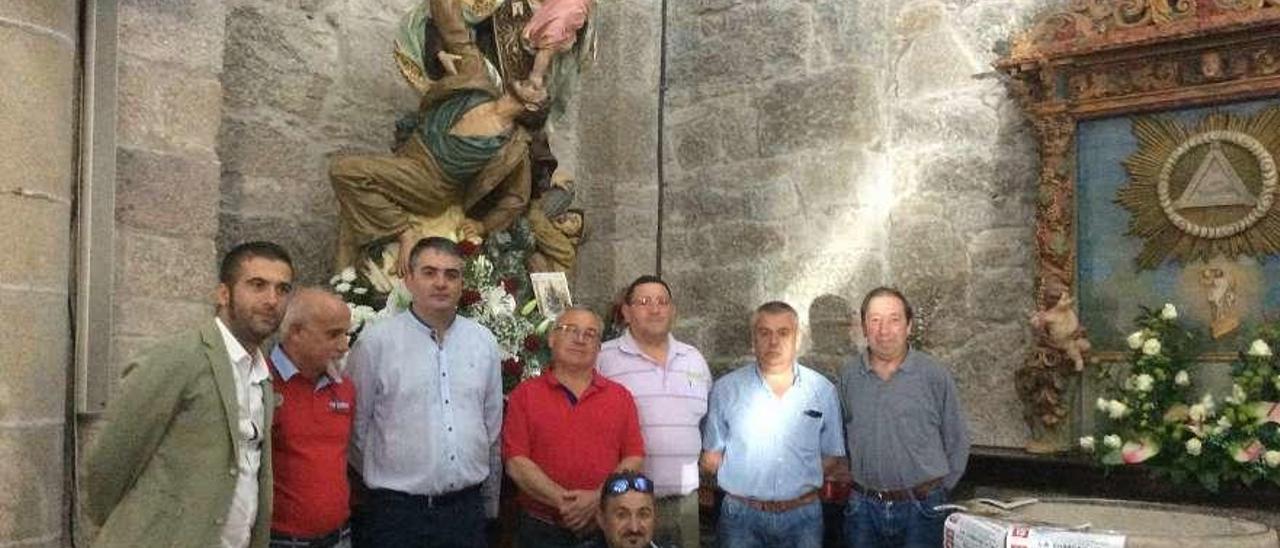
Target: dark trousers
[[532, 532], [400, 520]]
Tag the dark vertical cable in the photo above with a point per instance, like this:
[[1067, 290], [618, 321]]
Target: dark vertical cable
[[662, 130]]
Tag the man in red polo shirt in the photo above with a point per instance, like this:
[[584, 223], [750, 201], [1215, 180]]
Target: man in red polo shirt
[[565, 432], [312, 424]]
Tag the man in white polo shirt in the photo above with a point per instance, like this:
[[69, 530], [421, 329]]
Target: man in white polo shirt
[[669, 381]]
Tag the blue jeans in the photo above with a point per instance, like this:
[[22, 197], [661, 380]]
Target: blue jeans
[[742, 526], [873, 523], [401, 520]]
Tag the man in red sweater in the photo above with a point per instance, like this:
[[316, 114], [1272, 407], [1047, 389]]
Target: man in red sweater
[[312, 424]]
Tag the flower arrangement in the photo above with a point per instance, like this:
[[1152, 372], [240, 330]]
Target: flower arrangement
[[495, 293], [1154, 419]]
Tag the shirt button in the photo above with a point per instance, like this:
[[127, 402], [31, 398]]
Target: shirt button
[[446, 402], [450, 428], [451, 457]]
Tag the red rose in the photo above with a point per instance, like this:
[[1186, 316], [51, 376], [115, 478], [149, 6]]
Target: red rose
[[532, 343], [470, 297], [511, 367], [511, 286], [468, 248]]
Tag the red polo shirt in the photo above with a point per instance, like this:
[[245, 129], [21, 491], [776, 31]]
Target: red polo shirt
[[309, 436], [576, 444]]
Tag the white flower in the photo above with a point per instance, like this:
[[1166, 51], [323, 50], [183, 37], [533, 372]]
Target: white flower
[[498, 302], [335, 279], [348, 274], [1087, 443], [342, 287], [1111, 441], [359, 290], [1102, 404], [1168, 312], [1237, 394], [1182, 379], [1197, 413], [1272, 458], [1151, 347], [1116, 409], [1207, 401], [1194, 445], [1259, 348], [482, 265], [1143, 382], [1224, 423], [1135, 339]]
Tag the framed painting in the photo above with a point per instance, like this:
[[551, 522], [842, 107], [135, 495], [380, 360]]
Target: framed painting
[[1159, 130]]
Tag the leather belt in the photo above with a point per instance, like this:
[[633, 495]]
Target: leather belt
[[777, 506], [431, 501], [919, 492], [325, 541]]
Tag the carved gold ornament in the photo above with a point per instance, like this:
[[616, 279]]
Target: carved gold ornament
[[1194, 194]]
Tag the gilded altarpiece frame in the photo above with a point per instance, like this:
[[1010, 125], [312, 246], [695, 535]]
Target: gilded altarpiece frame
[[1148, 65]]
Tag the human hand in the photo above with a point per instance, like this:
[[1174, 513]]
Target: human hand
[[449, 61], [578, 509], [471, 229], [402, 255]]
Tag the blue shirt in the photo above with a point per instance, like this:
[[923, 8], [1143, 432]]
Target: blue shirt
[[773, 447], [430, 414], [287, 369]]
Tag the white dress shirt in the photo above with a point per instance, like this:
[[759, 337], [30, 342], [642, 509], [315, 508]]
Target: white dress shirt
[[430, 414], [249, 372]]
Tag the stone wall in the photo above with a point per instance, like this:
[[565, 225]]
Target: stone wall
[[37, 121], [302, 81], [826, 147]]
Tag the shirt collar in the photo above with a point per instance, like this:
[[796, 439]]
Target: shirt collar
[[628, 345], [597, 380], [287, 369], [431, 330], [795, 373], [254, 365], [906, 365]]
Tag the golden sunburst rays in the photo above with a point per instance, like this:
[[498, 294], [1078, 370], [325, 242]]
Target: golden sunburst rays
[[1200, 192]]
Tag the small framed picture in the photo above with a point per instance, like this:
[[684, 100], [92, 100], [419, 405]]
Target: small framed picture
[[552, 292]]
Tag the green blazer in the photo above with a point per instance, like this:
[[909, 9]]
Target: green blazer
[[163, 470]]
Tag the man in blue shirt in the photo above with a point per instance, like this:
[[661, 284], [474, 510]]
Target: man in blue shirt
[[425, 434], [772, 434]]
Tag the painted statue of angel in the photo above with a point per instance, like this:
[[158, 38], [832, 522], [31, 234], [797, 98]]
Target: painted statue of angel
[[552, 30]]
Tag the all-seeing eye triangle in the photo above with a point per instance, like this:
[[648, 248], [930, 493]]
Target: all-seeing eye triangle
[[1215, 184]]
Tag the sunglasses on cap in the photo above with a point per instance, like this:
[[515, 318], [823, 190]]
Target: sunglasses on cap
[[622, 484]]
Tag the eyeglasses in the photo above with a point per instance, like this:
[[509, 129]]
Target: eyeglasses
[[655, 301], [622, 484], [589, 334]]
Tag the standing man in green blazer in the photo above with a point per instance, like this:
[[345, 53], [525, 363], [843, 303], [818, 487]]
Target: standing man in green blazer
[[184, 458]]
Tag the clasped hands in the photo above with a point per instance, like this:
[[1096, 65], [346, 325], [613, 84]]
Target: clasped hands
[[578, 509]]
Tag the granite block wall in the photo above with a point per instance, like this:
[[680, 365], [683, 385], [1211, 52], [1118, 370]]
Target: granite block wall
[[37, 117]]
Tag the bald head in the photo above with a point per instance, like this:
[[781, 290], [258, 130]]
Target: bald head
[[314, 330]]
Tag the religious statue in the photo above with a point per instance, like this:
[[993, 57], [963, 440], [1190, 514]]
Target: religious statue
[[1044, 382], [473, 160], [1061, 329], [553, 30], [1220, 290]]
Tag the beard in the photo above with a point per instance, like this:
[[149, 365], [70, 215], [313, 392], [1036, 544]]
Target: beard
[[247, 325]]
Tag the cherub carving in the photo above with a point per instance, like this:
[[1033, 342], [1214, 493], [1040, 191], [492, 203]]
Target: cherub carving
[[1061, 329]]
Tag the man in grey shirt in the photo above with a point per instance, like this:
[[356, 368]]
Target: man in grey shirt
[[908, 443]]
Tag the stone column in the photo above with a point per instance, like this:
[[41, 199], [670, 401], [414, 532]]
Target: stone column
[[37, 121]]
